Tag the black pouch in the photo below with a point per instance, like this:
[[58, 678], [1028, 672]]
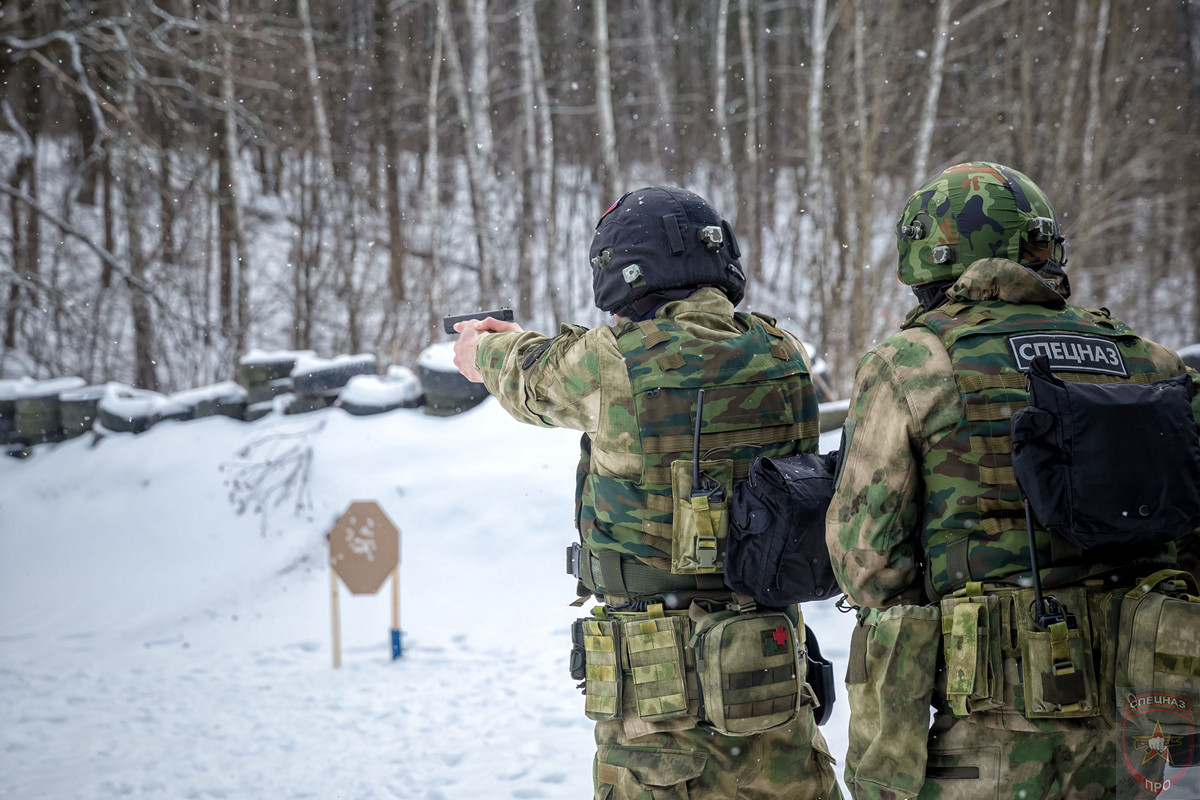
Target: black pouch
[[775, 551], [1105, 465]]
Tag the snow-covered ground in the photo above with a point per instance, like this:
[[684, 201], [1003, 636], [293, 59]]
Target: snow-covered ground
[[155, 642]]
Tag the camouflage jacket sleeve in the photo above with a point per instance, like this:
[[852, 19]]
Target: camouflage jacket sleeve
[[551, 382], [904, 398]]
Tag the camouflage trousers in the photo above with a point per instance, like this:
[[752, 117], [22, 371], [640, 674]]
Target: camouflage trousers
[[641, 761], [983, 757]]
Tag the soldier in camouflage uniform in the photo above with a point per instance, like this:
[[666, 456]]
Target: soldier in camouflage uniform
[[927, 518], [666, 265]]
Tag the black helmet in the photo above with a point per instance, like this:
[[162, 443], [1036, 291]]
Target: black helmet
[[656, 239]]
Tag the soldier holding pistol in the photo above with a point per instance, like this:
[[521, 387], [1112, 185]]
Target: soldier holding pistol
[[695, 692]]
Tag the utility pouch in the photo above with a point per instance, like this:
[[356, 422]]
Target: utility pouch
[[749, 672], [701, 516], [972, 637], [1058, 667], [656, 662], [890, 681], [1158, 652], [602, 667]]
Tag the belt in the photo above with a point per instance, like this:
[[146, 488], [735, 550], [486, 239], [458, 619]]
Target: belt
[[610, 574]]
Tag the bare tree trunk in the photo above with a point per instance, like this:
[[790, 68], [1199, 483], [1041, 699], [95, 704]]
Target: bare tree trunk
[[933, 91], [610, 164], [145, 375], [546, 193], [474, 109], [1192, 196], [749, 222], [720, 99], [532, 217], [814, 184], [660, 128], [1092, 131], [432, 172], [391, 54], [1067, 135], [234, 284]]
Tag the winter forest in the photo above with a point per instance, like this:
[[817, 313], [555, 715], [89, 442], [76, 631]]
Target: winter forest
[[187, 180]]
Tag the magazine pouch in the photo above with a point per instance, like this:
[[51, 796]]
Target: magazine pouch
[[972, 637], [602, 667], [701, 516], [748, 669], [655, 647], [890, 681]]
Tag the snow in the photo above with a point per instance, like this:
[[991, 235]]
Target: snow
[[129, 403], [438, 357], [256, 356], [49, 388], [157, 643], [308, 364], [399, 386], [224, 392]]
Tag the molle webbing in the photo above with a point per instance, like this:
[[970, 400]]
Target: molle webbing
[[974, 521], [758, 401]]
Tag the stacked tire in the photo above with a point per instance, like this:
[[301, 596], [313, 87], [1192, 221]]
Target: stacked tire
[[374, 394], [267, 376], [38, 410], [447, 392], [317, 382]]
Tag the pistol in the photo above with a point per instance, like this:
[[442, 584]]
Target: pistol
[[502, 314]]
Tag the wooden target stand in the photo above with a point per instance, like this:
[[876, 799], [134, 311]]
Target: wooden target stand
[[364, 550]]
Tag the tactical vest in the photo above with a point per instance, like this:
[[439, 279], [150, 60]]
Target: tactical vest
[[758, 401], [974, 526]]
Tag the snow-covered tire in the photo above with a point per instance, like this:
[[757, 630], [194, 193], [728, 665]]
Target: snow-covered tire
[[126, 410], [316, 378], [304, 404], [1191, 356], [263, 392], [449, 393], [39, 412], [8, 420], [255, 370], [79, 409], [227, 399], [39, 419], [377, 394]]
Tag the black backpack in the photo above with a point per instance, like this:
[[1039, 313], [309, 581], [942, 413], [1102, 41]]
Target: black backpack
[[775, 550], [1112, 464]]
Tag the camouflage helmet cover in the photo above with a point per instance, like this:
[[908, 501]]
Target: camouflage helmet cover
[[970, 212], [658, 238]]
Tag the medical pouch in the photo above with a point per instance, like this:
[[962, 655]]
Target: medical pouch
[[1057, 664], [656, 664], [972, 634], [749, 672], [701, 516], [1073, 436], [890, 681], [603, 677], [1158, 649]]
